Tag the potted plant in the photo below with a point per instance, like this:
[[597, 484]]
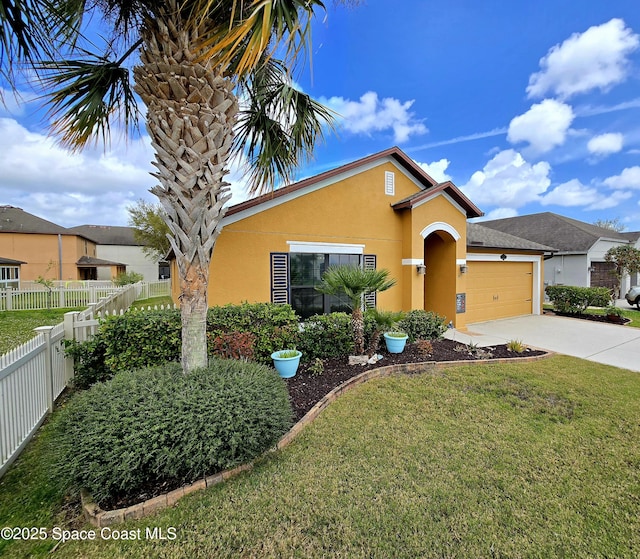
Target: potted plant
[[395, 341], [614, 314], [286, 362]]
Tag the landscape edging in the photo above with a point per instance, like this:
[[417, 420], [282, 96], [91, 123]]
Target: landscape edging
[[102, 518]]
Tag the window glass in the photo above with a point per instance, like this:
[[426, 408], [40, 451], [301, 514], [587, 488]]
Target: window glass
[[306, 272]]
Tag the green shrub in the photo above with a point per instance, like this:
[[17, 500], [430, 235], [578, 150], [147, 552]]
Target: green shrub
[[127, 278], [274, 326], [575, 300], [235, 345], [423, 325], [89, 361], [326, 335], [140, 339], [158, 425]]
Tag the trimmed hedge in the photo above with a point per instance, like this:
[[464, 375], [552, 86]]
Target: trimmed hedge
[[423, 325], [575, 300], [140, 339], [158, 425], [274, 326]]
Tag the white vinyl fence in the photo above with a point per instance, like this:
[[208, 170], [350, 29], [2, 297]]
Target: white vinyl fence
[[69, 294], [33, 375]]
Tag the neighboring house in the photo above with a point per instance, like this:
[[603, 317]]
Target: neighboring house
[[118, 244], [581, 247], [382, 211], [49, 250]]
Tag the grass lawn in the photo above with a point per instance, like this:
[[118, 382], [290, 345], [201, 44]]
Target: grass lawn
[[498, 460], [16, 327], [153, 302]]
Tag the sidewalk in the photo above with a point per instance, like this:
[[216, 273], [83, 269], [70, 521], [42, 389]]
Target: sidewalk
[[610, 344]]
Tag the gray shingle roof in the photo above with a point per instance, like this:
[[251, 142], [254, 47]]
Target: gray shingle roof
[[480, 236], [107, 234], [10, 262], [16, 220], [563, 233], [92, 261]]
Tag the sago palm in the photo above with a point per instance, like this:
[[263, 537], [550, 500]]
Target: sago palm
[[196, 60], [355, 282]]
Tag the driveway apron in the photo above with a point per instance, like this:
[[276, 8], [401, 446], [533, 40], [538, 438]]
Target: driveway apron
[[610, 344]]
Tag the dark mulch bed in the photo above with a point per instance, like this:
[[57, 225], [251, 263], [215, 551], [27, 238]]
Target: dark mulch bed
[[306, 389], [592, 317]]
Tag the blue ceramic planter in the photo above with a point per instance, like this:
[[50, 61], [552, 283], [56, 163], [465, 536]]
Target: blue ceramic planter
[[395, 344], [286, 366]]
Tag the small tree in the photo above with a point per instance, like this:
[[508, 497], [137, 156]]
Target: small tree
[[47, 283], [613, 224], [355, 283], [150, 228], [627, 261], [127, 278]]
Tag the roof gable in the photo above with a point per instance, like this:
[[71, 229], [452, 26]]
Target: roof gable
[[394, 155]]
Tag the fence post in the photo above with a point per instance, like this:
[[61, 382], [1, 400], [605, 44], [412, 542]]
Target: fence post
[[69, 334], [9, 301], [61, 297], [46, 332]]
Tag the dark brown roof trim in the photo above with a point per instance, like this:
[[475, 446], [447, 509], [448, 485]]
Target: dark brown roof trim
[[448, 187]]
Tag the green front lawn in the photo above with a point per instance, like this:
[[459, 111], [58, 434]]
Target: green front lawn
[[497, 460]]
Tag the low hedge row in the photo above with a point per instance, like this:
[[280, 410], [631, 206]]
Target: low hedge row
[[141, 338], [575, 300]]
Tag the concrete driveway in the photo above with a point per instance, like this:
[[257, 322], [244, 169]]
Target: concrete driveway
[[604, 343]]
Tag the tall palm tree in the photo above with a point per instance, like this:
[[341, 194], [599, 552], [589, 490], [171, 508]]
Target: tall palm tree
[[197, 58], [355, 282]]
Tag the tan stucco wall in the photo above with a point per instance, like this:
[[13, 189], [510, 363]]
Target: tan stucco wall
[[41, 254], [354, 210]]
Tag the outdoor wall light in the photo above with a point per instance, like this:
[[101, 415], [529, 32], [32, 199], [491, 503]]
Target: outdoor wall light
[[421, 269], [503, 257], [464, 268]]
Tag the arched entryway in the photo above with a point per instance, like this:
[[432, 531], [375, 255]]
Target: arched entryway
[[440, 261]]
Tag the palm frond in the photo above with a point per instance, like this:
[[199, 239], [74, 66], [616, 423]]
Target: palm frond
[[278, 126], [242, 32], [31, 31], [354, 282], [85, 95]]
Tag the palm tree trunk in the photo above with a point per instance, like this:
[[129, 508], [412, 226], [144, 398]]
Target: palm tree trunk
[[191, 114], [357, 322]]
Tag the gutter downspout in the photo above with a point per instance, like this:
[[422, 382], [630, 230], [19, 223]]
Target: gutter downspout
[[59, 256]]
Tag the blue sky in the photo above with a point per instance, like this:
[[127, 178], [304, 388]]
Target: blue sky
[[526, 106]]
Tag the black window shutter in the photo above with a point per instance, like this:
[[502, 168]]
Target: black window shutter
[[280, 278], [369, 263]]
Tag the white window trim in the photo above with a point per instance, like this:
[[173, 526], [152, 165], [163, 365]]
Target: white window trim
[[324, 248]]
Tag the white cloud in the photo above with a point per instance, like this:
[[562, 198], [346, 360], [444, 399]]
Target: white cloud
[[571, 193], [370, 114], [508, 181], [574, 193], [595, 59], [605, 144], [437, 170], [499, 213], [629, 178], [544, 126]]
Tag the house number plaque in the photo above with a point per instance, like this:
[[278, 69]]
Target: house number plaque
[[461, 302]]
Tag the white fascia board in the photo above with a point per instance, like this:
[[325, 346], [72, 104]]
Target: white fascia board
[[228, 220], [324, 248]]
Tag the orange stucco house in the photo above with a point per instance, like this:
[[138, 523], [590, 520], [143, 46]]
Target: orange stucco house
[[31, 246], [381, 211]]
